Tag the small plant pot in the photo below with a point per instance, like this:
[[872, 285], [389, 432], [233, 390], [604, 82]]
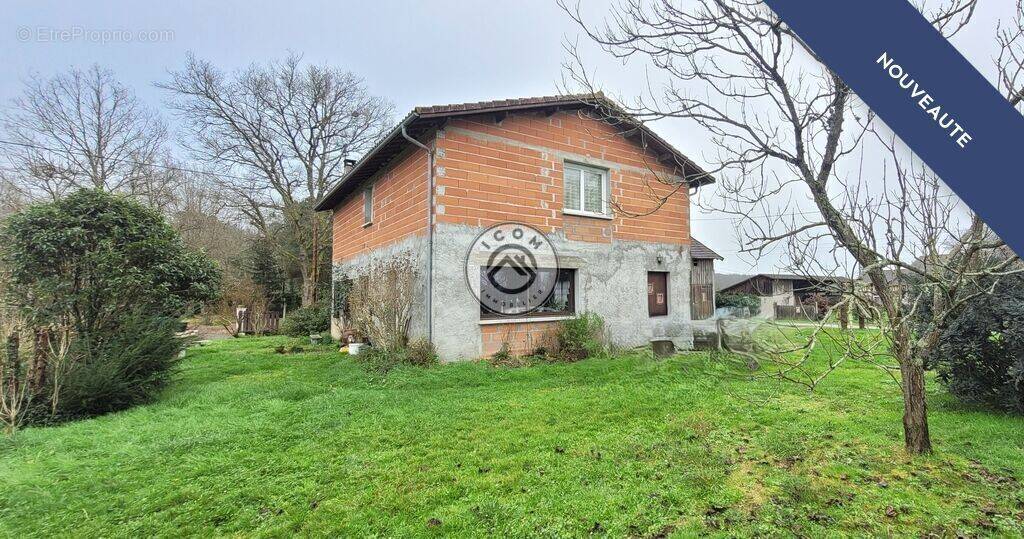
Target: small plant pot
[[355, 348], [314, 339]]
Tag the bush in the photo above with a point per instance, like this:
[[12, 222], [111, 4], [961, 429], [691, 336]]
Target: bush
[[380, 301], [381, 361], [581, 337], [503, 355], [113, 277], [421, 353], [307, 321], [750, 301], [505, 358], [92, 256], [980, 356], [376, 360], [123, 369]]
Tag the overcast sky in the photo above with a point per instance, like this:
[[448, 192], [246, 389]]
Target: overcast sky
[[436, 52]]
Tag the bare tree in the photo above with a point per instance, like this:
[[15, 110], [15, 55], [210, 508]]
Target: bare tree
[[279, 134], [60, 358], [15, 394], [80, 129], [380, 302], [12, 196], [1010, 62], [793, 171], [200, 211]]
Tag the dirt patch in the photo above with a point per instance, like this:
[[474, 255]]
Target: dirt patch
[[210, 333]]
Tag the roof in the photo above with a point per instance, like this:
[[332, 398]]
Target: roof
[[699, 250], [422, 120], [729, 280]]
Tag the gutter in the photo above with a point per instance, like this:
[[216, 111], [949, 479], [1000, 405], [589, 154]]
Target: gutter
[[430, 231]]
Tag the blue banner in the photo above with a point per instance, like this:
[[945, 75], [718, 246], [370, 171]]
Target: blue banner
[[929, 94]]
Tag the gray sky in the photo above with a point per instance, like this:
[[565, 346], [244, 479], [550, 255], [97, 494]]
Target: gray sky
[[441, 51]]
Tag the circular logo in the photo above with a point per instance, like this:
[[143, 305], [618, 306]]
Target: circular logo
[[512, 269]]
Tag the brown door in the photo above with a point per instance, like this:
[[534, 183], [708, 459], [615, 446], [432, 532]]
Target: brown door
[[657, 293]]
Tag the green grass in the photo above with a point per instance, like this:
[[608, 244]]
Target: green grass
[[250, 442]]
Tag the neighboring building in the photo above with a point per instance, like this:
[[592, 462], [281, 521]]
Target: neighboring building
[[898, 281], [552, 163], [779, 292]]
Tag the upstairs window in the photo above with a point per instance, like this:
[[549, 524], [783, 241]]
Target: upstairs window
[[586, 190], [368, 206]]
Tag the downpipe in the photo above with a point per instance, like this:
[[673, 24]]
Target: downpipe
[[430, 232]]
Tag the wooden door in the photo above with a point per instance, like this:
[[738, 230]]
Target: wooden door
[[657, 293], [702, 290]]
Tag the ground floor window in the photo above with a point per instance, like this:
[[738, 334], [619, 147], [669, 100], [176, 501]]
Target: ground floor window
[[657, 293], [561, 301]]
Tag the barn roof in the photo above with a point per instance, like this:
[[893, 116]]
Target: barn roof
[[729, 280]]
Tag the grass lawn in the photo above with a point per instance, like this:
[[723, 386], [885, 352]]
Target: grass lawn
[[251, 442]]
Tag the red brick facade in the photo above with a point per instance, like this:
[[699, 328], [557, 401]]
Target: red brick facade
[[489, 173], [513, 171], [522, 338], [399, 209]]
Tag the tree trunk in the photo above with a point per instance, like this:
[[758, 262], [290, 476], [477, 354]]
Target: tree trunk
[[915, 411], [40, 360], [312, 260], [312, 275], [308, 289], [10, 376]]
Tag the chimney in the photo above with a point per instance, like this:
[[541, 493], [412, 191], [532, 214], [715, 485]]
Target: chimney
[[349, 163]]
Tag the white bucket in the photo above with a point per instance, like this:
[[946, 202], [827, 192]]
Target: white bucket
[[354, 348]]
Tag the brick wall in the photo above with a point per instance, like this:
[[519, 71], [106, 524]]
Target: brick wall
[[522, 338], [399, 209], [490, 173]]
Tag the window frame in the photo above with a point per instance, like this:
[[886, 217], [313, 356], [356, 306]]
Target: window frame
[[605, 212], [487, 315], [368, 205]]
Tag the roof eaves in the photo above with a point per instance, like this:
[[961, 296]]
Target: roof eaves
[[704, 178], [325, 202], [328, 201], [700, 251]]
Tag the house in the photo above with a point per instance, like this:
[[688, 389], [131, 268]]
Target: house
[[608, 196], [782, 294]]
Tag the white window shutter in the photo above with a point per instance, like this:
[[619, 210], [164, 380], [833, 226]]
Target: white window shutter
[[593, 196], [572, 189]]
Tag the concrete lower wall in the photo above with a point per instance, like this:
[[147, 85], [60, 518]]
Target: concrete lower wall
[[413, 249], [611, 280]]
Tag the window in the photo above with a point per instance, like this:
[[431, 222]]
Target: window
[[586, 190], [561, 302], [657, 293], [368, 205]]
